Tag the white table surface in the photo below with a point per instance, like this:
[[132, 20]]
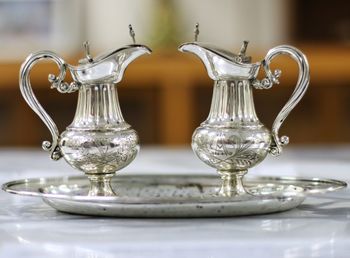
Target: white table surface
[[318, 228]]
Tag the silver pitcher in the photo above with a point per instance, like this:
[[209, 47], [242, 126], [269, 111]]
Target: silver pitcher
[[98, 142], [232, 139]]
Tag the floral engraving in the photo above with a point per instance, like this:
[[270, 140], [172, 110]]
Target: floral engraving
[[225, 151], [102, 154]]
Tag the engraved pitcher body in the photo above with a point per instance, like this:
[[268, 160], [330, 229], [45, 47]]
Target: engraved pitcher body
[[98, 142], [232, 139]]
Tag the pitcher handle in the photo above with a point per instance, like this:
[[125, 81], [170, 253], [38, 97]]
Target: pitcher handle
[[298, 93], [28, 95]]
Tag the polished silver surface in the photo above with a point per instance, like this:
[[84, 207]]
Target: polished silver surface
[[28, 95], [98, 142], [221, 64], [107, 68], [172, 195], [298, 93], [232, 139]]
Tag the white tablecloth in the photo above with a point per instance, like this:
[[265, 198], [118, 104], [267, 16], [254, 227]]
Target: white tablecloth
[[318, 228]]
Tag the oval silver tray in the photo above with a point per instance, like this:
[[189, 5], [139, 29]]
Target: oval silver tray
[[172, 195]]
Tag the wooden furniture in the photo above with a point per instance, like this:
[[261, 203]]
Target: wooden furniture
[[166, 95]]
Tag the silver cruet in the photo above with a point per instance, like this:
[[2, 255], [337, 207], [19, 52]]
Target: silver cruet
[[98, 142], [232, 139]]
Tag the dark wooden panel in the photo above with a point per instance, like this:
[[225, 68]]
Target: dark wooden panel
[[322, 20]]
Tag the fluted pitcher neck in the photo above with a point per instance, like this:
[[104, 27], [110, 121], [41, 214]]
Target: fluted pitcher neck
[[232, 105], [98, 108]]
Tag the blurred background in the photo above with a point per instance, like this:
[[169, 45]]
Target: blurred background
[[166, 95]]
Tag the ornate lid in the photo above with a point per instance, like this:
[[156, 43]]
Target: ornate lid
[[108, 67], [222, 64]]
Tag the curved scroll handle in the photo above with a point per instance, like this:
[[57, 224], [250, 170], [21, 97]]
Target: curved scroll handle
[[28, 95], [298, 93]]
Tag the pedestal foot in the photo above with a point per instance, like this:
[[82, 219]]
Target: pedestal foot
[[232, 184], [100, 185]]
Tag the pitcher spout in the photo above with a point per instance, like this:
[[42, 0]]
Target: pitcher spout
[[107, 68], [222, 64]]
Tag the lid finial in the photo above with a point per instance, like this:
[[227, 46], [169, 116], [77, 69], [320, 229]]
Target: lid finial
[[243, 48], [196, 32], [86, 46], [132, 34]]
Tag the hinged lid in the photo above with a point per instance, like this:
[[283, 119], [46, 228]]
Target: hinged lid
[[222, 64], [109, 67]]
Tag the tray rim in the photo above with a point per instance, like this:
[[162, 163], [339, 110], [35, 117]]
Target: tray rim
[[337, 185]]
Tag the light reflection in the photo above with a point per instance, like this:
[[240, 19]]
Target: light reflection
[[287, 237]]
